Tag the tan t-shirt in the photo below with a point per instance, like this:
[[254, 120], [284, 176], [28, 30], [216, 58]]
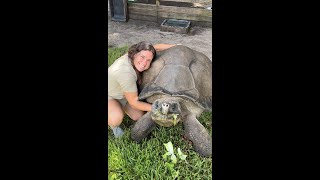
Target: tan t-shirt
[[121, 78]]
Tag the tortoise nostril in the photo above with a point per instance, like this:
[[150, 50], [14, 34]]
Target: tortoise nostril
[[165, 108]]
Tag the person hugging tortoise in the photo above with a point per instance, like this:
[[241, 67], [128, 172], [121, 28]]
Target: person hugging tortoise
[[124, 76]]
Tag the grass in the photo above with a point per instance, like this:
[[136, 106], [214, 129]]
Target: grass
[[129, 160]]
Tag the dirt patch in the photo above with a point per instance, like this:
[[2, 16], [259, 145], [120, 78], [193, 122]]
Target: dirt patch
[[134, 31]]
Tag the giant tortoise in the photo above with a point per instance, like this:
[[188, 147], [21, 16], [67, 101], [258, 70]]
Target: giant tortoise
[[179, 86]]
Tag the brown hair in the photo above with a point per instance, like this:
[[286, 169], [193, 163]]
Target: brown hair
[[136, 48]]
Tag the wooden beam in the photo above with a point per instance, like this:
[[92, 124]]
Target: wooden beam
[[184, 16], [186, 10], [143, 11], [143, 17], [154, 12], [142, 6], [144, 1]]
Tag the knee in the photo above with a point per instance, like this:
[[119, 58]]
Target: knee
[[136, 116], [115, 119]]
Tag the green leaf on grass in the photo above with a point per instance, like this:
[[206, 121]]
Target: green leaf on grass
[[181, 155], [169, 165], [173, 158], [113, 176], [175, 174], [169, 147], [165, 155]]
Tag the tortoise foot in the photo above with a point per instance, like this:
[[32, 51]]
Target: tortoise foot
[[198, 134], [142, 127]]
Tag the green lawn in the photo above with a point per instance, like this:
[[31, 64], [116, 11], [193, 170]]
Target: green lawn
[[129, 160]]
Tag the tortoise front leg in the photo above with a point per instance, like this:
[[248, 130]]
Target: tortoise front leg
[[198, 134], [142, 127]]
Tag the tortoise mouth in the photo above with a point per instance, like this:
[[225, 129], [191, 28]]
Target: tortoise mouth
[[166, 112], [166, 120]]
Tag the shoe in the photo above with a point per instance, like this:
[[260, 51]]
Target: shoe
[[117, 131]]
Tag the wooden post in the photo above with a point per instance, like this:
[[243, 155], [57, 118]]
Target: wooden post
[[119, 10], [157, 4]]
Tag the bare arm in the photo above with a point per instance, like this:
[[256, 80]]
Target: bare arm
[[161, 47], [132, 98]]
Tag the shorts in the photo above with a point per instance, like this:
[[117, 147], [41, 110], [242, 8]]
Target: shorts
[[122, 101]]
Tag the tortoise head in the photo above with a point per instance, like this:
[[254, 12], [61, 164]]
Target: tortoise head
[[166, 112]]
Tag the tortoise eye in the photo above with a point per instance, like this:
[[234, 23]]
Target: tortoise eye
[[156, 104]]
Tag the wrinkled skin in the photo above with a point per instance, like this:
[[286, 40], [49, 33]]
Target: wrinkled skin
[[179, 86]]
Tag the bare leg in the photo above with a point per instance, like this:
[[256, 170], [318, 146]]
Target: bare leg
[[142, 127], [115, 113], [198, 134]]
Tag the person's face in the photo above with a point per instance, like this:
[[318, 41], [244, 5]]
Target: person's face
[[142, 60]]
